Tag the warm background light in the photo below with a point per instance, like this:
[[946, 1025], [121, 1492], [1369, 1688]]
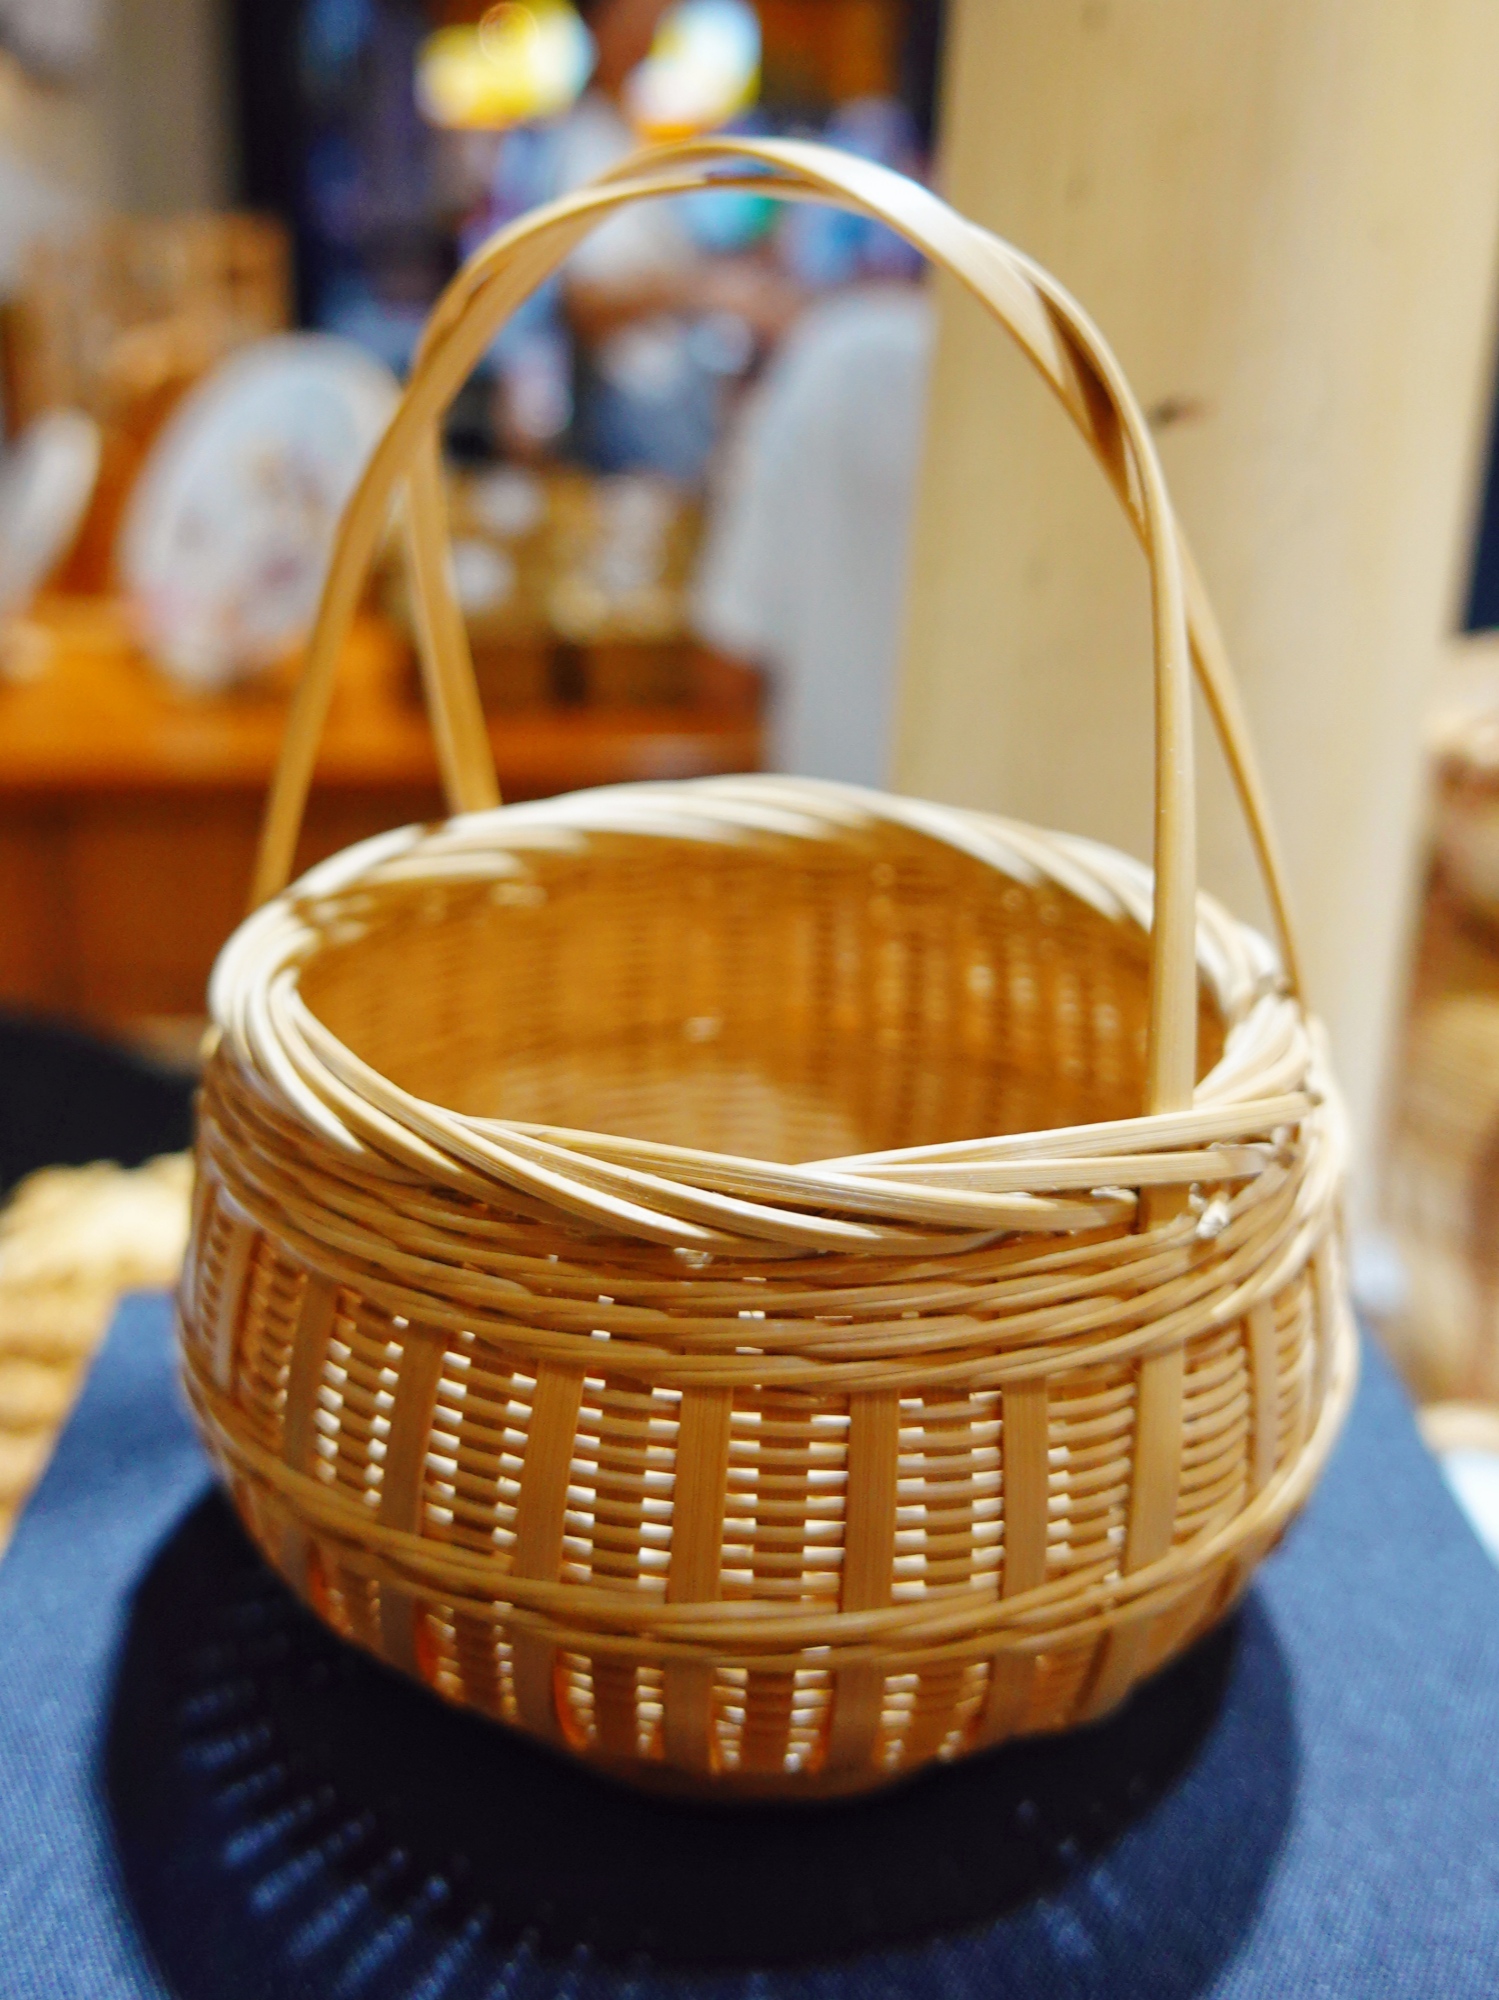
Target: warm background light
[[703, 70], [518, 63]]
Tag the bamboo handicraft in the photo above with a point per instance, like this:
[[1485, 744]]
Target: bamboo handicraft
[[758, 1284]]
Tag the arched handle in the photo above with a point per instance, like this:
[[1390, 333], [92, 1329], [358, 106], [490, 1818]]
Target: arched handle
[[1046, 323]]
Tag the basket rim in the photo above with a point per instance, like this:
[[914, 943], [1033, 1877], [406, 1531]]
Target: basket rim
[[1269, 1077]]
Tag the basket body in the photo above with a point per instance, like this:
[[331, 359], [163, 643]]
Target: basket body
[[729, 1508], [761, 1285]]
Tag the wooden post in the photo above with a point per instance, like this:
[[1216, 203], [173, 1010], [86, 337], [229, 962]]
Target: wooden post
[[1284, 217]]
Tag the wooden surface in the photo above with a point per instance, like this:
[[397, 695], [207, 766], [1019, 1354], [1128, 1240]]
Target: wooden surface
[[128, 812], [1284, 217]]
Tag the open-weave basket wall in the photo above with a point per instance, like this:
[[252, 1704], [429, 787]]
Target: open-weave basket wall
[[690, 1270], [846, 1475]]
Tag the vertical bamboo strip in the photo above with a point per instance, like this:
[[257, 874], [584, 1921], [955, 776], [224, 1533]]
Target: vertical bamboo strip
[[1326, 1285], [622, 1463], [205, 1190], [938, 1687], [402, 1475], [1027, 1487], [316, 1313], [1152, 1517], [693, 1578], [868, 1566], [768, 1694], [234, 1275], [539, 1518], [1264, 1418]]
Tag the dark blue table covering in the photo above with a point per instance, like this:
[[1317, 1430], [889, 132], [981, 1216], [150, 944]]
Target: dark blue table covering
[[203, 1794]]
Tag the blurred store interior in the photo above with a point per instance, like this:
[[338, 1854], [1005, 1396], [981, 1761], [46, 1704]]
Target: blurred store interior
[[685, 486], [189, 180]]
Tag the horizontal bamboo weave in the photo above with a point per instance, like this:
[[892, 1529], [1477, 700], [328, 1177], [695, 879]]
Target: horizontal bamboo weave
[[694, 1459], [761, 1284]]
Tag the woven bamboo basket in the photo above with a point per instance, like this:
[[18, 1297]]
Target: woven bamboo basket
[[759, 1284]]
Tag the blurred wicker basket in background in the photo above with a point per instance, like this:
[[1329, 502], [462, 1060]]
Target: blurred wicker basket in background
[[72, 1240], [1441, 1182]]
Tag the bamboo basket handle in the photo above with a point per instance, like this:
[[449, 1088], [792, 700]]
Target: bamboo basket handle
[[1049, 326]]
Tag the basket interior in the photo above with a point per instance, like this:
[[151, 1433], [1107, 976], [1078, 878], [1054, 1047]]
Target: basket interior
[[779, 999]]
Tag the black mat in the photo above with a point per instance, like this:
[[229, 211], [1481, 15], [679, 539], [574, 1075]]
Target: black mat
[[67, 1098], [203, 1794]]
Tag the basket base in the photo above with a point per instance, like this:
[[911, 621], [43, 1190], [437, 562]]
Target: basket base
[[733, 1789]]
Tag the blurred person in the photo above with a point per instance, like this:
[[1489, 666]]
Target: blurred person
[[824, 247], [39, 197], [530, 361], [804, 565], [377, 248], [633, 346], [803, 570], [662, 326], [56, 39]]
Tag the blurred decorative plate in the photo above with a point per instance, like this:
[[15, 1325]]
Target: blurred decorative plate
[[47, 479], [227, 536]]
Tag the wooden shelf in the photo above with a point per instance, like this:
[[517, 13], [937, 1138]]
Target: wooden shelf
[[128, 811]]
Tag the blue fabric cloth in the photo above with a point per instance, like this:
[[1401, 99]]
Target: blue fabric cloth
[[203, 1794]]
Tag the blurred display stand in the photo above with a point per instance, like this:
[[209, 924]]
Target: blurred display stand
[[109, 314], [573, 588], [119, 321], [1441, 1192], [129, 811], [128, 806]]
